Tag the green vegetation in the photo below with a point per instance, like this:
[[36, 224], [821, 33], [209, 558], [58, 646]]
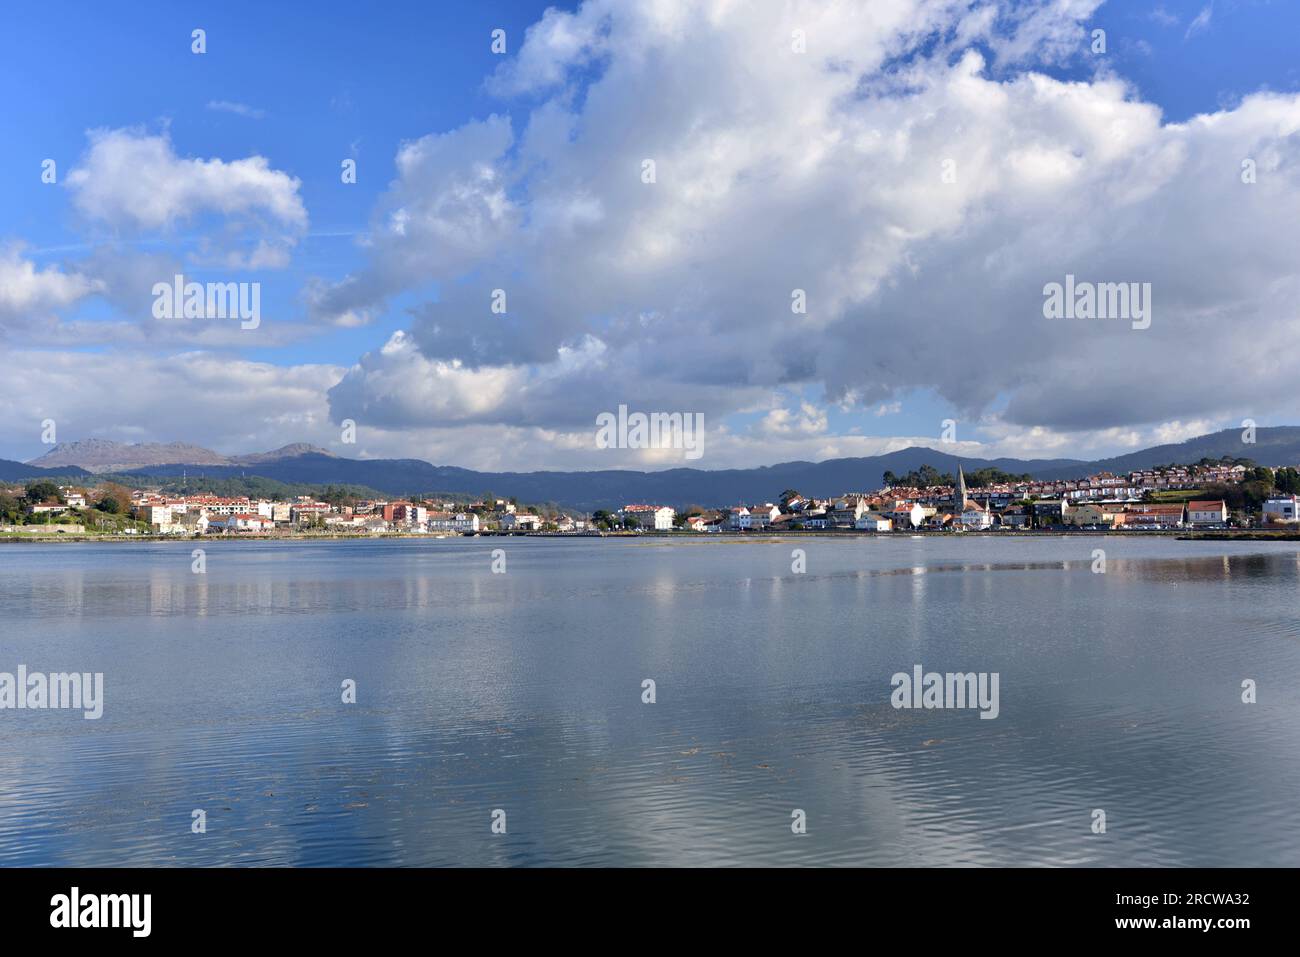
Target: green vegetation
[[11, 509], [1246, 496], [982, 478], [43, 491], [685, 512], [927, 476], [459, 498], [252, 486], [1205, 462], [1176, 496], [98, 521], [924, 477], [1287, 481], [608, 521], [108, 516]]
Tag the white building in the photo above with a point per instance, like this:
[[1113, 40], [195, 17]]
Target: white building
[[413, 515], [189, 523], [1285, 509], [759, 516], [1207, 513], [343, 522], [874, 522], [846, 511], [306, 511], [518, 521], [155, 516], [459, 522], [657, 517], [225, 506], [975, 516], [909, 514], [244, 522]]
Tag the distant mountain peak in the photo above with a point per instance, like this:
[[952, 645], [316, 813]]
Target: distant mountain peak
[[291, 451], [106, 455]]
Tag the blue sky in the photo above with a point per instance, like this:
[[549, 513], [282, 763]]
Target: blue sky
[[305, 91], [338, 83]]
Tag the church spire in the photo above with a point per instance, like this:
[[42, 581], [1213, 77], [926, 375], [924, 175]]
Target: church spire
[[961, 489]]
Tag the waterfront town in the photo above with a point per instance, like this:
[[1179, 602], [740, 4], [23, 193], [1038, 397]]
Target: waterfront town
[[1207, 496]]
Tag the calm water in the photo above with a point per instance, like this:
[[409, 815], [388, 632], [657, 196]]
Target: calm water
[[522, 691]]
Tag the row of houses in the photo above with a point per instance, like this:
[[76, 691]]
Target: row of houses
[[1103, 486], [210, 514], [1103, 500], [973, 516], [957, 509], [860, 511]]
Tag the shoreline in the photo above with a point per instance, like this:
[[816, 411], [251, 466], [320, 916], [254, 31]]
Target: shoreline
[[1245, 535]]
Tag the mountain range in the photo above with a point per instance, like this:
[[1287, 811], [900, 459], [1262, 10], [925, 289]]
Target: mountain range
[[301, 463], [104, 455]]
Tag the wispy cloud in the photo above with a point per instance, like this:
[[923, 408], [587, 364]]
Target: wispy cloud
[[240, 109], [1201, 23], [1163, 17]]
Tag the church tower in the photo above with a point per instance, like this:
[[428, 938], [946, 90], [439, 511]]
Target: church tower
[[960, 500]]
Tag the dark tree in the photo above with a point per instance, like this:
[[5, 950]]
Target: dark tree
[[1287, 481], [44, 491]]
